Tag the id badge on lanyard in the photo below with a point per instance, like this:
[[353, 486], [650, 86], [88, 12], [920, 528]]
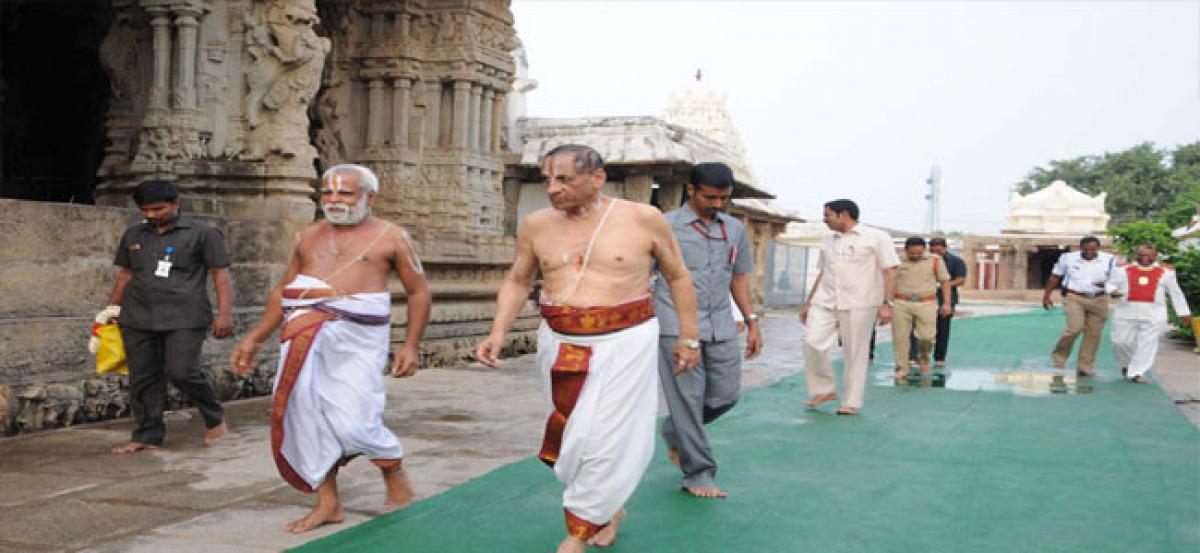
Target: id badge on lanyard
[[733, 249], [164, 264]]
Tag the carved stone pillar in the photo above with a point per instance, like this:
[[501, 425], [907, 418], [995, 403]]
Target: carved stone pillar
[[433, 114], [401, 104], [499, 113], [160, 21], [638, 188], [460, 133], [378, 27], [186, 22], [485, 126], [375, 107], [476, 131]]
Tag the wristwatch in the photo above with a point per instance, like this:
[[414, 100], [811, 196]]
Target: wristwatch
[[887, 303], [690, 343], [752, 317]]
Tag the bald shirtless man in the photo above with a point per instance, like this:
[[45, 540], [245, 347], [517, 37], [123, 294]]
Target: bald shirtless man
[[598, 346], [335, 308]]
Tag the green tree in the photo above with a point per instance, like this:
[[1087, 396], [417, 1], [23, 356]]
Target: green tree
[[1142, 183], [1129, 236]]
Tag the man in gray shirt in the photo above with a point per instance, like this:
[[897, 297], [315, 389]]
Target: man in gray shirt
[[160, 299], [717, 254]]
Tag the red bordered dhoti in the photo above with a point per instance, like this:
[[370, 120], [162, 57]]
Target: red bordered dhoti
[[599, 365], [329, 391]]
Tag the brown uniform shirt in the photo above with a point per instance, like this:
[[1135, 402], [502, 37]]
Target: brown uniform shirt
[[920, 278]]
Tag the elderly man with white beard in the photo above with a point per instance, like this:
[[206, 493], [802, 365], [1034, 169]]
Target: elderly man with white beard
[[334, 306]]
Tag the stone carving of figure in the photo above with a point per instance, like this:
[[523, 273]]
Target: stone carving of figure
[[119, 56], [333, 112], [284, 73]]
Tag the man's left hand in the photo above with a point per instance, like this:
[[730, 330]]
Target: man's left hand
[[222, 326], [946, 310], [754, 342], [407, 361], [1187, 321]]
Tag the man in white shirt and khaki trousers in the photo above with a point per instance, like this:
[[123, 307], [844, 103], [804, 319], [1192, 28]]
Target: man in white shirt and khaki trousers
[[1085, 302], [854, 287]]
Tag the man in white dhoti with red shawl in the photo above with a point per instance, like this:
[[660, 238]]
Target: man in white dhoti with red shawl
[[1140, 318], [598, 345], [335, 309]]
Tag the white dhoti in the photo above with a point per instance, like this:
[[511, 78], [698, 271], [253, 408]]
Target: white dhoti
[[1135, 344], [601, 384], [329, 390]]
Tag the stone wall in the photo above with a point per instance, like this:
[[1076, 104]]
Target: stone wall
[[56, 271]]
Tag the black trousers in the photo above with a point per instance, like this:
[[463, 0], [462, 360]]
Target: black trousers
[[939, 344], [155, 357]]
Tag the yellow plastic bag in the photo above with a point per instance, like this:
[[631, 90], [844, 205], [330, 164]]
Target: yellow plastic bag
[[110, 356]]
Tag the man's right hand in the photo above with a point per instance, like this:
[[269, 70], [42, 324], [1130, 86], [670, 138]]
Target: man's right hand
[[685, 358], [242, 358], [1047, 301], [488, 351], [804, 314], [108, 315]]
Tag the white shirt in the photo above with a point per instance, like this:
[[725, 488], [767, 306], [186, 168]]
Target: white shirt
[[851, 268], [1146, 311], [1081, 274]]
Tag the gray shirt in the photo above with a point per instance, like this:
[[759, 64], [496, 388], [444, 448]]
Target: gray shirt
[[713, 254], [179, 300]]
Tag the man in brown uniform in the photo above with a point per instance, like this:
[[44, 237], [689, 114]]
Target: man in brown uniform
[[917, 282]]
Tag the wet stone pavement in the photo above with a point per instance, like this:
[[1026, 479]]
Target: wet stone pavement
[[62, 490]]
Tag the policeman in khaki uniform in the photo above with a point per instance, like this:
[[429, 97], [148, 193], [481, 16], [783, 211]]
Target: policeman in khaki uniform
[[916, 311], [1083, 275]]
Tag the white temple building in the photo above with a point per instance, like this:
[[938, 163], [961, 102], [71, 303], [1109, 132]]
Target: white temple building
[[1058, 208]]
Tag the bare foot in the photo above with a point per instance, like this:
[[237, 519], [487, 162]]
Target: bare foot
[[608, 535], [571, 545], [320, 515], [132, 447], [1139, 379], [707, 492], [213, 434], [820, 398], [844, 410], [925, 368], [399, 489], [673, 455], [901, 372]]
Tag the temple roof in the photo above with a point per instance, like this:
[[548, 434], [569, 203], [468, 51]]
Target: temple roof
[[1057, 208], [648, 143]]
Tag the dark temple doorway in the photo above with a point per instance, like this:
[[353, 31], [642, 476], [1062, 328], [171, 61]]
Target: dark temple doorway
[[53, 97], [1041, 263]]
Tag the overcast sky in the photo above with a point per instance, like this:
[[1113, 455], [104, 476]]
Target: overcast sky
[[858, 99]]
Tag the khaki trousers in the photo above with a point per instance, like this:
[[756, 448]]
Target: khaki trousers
[[1086, 315], [825, 326], [918, 318]]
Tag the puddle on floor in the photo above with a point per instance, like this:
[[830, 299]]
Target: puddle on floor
[[1019, 382]]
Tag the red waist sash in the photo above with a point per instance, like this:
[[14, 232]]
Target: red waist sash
[[590, 321]]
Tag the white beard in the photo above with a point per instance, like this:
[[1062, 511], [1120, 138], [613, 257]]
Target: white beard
[[338, 214]]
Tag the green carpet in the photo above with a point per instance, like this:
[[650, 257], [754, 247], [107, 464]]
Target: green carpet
[[920, 470]]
